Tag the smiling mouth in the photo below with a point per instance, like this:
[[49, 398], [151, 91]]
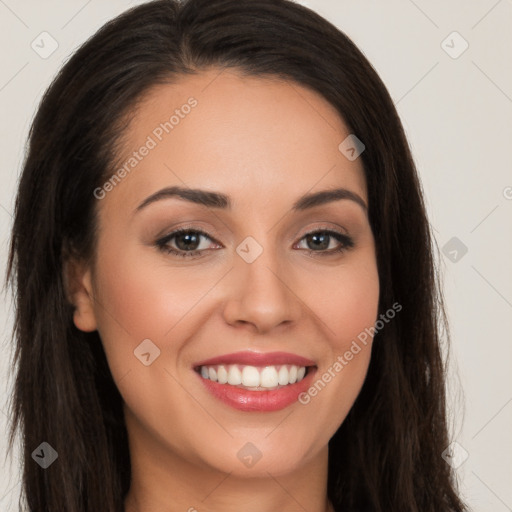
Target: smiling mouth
[[255, 378]]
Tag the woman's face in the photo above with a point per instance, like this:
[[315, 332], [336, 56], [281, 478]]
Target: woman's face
[[266, 276]]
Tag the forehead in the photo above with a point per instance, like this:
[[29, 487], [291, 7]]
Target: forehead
[[244, 135]]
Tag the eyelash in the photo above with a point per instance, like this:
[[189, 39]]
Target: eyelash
[[162, 244]]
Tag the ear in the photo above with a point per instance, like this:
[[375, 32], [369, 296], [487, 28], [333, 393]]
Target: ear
[[78, 284]]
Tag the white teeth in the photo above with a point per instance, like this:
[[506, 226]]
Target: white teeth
[[234, 375], [222, 375], [292, 375], [282, 376], [268, 377], [250, 377]]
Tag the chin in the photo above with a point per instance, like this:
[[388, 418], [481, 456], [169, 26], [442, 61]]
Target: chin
[[257, 456]]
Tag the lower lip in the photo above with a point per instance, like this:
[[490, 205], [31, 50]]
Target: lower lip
[[261, 401]]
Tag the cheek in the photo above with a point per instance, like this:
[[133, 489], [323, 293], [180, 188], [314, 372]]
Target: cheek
[[348, 305], [139, 299], [132, 304], [348, 310]]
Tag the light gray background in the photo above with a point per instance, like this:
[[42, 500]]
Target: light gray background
[[457, 115]]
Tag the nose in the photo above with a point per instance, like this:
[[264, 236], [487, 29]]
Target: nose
[[261, 294]]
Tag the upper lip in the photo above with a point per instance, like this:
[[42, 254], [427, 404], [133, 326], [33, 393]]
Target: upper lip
[[257, 359]]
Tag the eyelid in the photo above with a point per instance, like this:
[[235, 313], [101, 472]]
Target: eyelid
[[323, 226], [210, 232]]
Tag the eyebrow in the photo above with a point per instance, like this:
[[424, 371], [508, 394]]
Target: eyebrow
[[222, 201]]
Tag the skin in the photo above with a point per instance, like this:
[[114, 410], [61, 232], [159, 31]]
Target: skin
[[264, 143]]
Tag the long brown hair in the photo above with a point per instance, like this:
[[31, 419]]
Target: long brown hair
[[386, 456]]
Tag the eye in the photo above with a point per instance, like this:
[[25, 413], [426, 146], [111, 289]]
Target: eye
[[187, 242], [320, 240]]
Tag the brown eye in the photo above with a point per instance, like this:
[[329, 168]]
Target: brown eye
[[320, 240], [186, 242]]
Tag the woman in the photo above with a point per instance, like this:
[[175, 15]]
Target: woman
[[226, 295]]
